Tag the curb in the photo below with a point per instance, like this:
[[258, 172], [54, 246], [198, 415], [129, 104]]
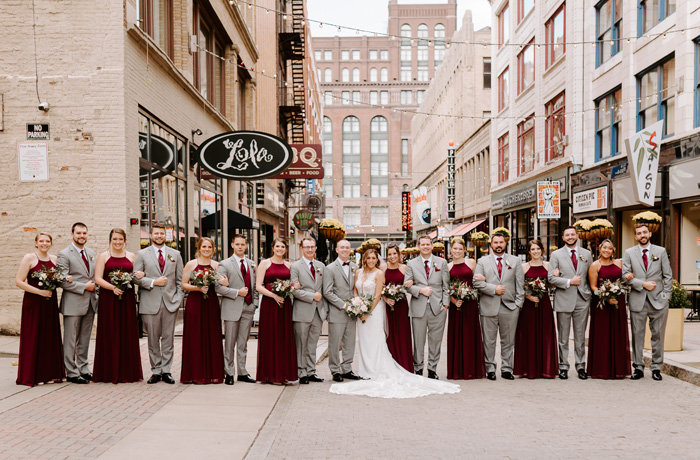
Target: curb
[[678, 370]]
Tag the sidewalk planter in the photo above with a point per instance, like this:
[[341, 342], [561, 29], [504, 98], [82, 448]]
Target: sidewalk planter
[[673, 341]]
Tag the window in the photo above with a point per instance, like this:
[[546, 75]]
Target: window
[[328, 156], [439, 45], [503, 89], [344, 55], [524, 7], [487, 72], [384, 55], [355, 97], [555, 127], [384, 97], [328, 75], [404, 157], [503, 158], [420, 94], [697, 84], [373, 97], [379, 156], [328, 55], [345, 75], [329, 212], [656, 89], [372, 55], [504, 26], [373, 74], [406, 73], [380, 216], [384, 74], [555, 30], [406, 52], [355, 75], [422, 53], [209, 75], [328, 98], [652, 12], [355, 55], [156, 19], [318, 75], [422, 73], [203, 60], [351, 215], [607, 124], [526, 67], [317, 55], [345, 96], [526, 145], [609, 32], [351, 157], [406, 97]]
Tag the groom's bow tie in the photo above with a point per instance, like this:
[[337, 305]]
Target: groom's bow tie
[[346, 263]]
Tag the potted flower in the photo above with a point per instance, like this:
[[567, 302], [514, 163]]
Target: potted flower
[[332, 229], [601, 228], [372, 243], [438, 247], [480, 238], [501, 231], [679, 301], [648, 218], [583, 228]]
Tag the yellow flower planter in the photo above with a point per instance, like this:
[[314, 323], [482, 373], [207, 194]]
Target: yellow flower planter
[[673, 340]]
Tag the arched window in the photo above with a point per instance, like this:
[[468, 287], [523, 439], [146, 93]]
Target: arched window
[[356, 75], [328, 156], [379, 156], [328, 75], [439, 47], [345, 75], [422, 66], [351, 157], [406, 52], [373, 74], [384, 74]]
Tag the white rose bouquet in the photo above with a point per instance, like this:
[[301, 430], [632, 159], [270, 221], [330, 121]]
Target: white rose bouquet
[[358, 306]]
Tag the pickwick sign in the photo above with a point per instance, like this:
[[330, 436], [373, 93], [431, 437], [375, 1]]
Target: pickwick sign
[[643, 156], [245, 155]]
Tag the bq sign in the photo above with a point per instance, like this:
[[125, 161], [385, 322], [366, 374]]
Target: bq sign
[[307, 163], [245, 155]]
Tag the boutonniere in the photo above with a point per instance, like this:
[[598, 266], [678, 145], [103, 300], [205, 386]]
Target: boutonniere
[[435, 267], [91, 257], [581, 258], [170, 258], [654, 257]]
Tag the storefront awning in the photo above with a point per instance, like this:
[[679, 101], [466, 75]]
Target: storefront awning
[[464, 228], [235, 220], [432, 234]]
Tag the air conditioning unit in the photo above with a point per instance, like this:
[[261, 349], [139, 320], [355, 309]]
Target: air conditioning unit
[[315, 203]]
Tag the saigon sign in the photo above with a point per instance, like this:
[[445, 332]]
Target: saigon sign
[[643, 155]]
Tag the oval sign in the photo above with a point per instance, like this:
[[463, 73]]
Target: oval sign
[[244, 155]]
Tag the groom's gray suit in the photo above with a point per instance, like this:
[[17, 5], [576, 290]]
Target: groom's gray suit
[[499, 313], [158, 304], [78, 307], [652, 304], [428, 314], [307, 314], [337, 288]]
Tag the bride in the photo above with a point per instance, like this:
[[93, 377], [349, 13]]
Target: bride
[[385, 377]]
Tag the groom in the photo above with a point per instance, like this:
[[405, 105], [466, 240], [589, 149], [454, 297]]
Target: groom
[[430, 300]]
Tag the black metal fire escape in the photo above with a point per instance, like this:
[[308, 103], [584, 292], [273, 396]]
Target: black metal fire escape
[[292, 99]]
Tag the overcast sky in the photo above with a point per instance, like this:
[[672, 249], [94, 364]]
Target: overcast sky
[[373, 14]]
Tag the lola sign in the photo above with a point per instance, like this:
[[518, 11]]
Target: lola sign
[[245, 155], [643, 155]]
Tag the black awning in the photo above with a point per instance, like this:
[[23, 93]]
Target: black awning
[[235, 220]]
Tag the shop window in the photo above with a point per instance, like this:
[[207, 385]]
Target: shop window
[[504, 26], [652, 12], [503, 89], [487, 73], [439, 44], [526, 146], [503, 158], [526, 67], [549, 233], [607, 124], [656, 89], [555, 127], [609, 30], [155, 17], [524, 8], [555, 31], [522, 230]]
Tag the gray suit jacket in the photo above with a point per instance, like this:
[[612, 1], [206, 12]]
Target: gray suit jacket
[[303, 305], [658, 270], [438, 279], [565, 298], [512, 278], [171, 294], [231, 303], [337, 288], [75, 300]]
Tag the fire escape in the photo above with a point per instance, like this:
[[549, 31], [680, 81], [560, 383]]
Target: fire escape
[[292, 100]]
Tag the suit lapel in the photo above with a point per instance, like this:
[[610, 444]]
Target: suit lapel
[[78, 258], [237, 268], [153, 257]]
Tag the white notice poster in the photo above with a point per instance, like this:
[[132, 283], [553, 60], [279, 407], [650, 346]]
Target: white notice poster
[[33, 161]]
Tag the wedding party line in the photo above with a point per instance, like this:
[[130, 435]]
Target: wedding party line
[[387, 309]]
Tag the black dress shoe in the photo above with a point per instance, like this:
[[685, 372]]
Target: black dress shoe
[[79, 380], [228, 379], [315, 378], [246, 378], [582, 374], [433, 375], [337, 378], [420, 372], [304, 380], [491, 375], [638, 374], [167, 378], [87, 376], [656, 375], [155, 378], [507, 375], [563, 374], [351, 376]]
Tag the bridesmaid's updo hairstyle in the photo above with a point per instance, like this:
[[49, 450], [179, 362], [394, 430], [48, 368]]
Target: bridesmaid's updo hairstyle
[[609, 241], [367, 253], [119, 231], [532, 243], [201, 241], [395, 247], [36, 238], [458, 240]]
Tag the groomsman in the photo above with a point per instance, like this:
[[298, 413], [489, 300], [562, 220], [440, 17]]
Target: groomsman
[[238, 303], [78, 304], [308, 309], [430, 299], [337, 288], [647, 270], [571, 299], [158, 271], [499, 277]]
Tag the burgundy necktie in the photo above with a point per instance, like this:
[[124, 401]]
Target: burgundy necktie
[[246, 280], [87, 264], [644, 259], [313, 270], [161, 260], [573, 259], [500, 267], [427, 269]]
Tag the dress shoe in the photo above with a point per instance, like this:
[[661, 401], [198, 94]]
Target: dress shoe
[[304, 380], [228, 379], [79, 380], [491, 375], [507, 375], [656, 375], [167, 378], [420, 372], [246, 378], [87, 376], [315, 378], [582, 374], [155, 378], [433, 375], [563, 374], [638, 374], [351, 376], [337, 378]]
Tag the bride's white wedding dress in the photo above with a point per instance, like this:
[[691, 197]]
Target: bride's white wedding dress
[[386, 378]]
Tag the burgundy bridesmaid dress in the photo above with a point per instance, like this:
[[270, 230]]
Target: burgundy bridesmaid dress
[[202, 345], [536, 353], [40, 347], [277, 352], [399, 339], [117, 352], [608, 338], [465, 348]]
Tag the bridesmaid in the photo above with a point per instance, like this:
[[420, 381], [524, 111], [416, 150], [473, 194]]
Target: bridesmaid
[[399, 338], [40, 348], [202, 346], [535, 338], [465, 349], [608, 339], [277, 356], [117, 351]]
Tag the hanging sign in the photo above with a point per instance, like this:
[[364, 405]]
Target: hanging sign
[[422, 207], [303, 220], [307, 163], [548, 200], [591, 200], [245, 155], [643, 156], [405, 211], [450, 183]]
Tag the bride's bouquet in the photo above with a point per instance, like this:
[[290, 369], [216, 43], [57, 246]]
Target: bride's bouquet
[[394, 292], [461, 290], [121, 280], [358, 306], [203, 277], [609, 290]]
